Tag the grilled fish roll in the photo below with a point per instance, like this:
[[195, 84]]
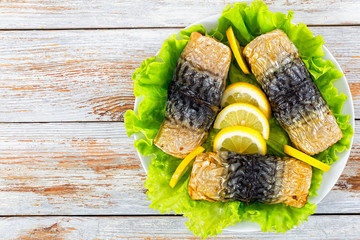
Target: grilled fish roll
[[294, 98], [229, 176], [194, 95]]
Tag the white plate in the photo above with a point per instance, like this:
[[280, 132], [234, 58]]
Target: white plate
[[330, 177]]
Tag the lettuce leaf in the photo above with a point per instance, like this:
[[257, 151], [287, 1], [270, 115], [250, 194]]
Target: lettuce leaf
[[150, 83]]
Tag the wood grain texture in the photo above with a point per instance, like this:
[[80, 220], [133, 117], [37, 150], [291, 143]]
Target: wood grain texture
[[86, 75], [92, 168], [60, 228], [32, 14]]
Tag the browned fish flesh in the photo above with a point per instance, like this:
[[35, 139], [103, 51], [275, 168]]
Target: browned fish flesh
[[194, 95]]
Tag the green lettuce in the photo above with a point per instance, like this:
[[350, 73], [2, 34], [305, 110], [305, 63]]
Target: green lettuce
[[150, 83]]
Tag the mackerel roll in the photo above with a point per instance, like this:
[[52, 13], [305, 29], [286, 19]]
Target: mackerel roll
[[294, 98], [194, 95], [229, 176]]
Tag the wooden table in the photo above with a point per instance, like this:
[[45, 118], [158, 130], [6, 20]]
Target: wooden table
[[67, 168]]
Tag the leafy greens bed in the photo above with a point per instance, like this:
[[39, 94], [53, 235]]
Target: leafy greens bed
[[151, 81]]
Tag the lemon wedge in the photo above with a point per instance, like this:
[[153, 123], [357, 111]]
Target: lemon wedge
[[241, 140], [184, 165], [306, 158], [243, 92], [243, 114], [236, 49]]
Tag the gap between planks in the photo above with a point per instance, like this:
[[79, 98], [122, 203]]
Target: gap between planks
[[46, 122], [145, 28], [109, 28], [143, 215], [69, 122], [157, 13]]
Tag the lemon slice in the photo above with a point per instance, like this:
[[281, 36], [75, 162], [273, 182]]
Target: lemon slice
[[243, 114], [306, 158], [184, 165], [241, 140], [243, 92], [236, 49]]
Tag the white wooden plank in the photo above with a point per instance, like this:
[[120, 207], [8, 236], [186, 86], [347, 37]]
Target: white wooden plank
[[71, 75], [31, 228], [166, 13], [92, 168], [345, 195], [69, 169], [86, 75], [345, 49]]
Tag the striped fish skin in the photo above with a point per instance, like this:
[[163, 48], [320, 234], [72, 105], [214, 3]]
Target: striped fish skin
[[229, 176], [252, 177], [197, 83], [187, 110], [194, 95], [287, 87], [294, 98]]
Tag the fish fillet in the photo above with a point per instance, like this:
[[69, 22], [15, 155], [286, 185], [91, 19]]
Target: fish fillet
[[194, 95], [229, 176], [294, 98]]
